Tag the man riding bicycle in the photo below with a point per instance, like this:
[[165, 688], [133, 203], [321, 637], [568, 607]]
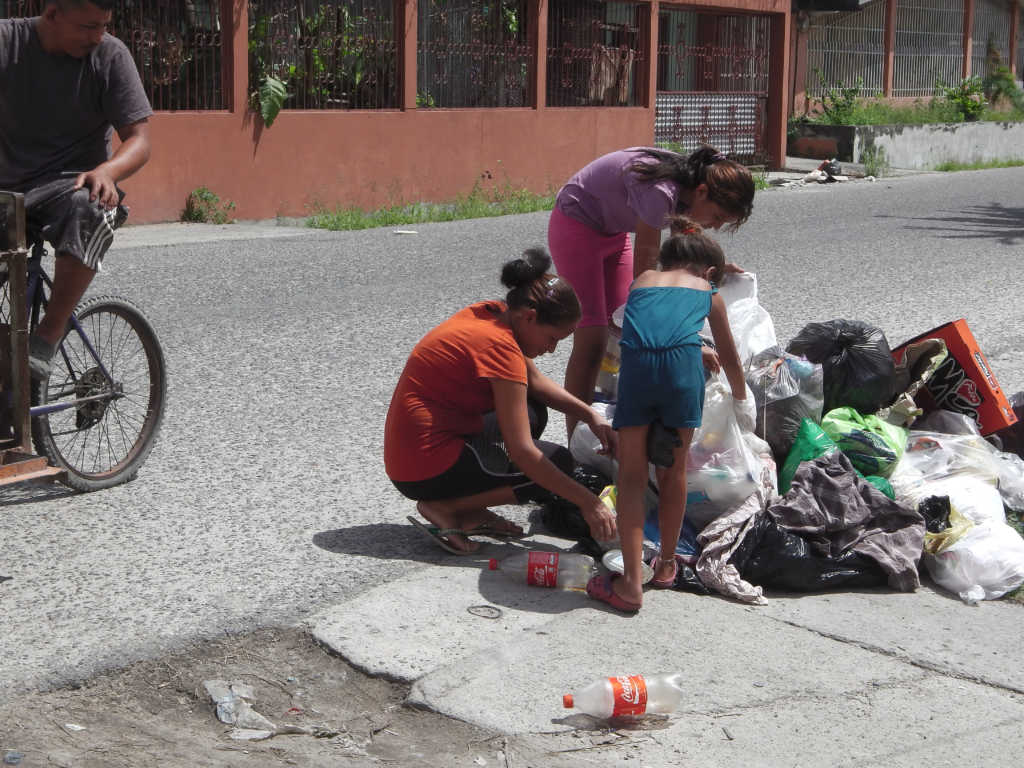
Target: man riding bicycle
[[65, 87]]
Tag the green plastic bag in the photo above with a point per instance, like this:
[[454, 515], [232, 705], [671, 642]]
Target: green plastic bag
[[873, 446], [812, 442]]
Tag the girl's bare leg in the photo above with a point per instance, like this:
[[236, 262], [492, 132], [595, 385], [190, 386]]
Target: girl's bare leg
[[629, 508], [672, 505], [588, 345]]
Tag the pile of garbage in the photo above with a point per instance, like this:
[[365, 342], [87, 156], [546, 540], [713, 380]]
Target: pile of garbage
[[867, 464]]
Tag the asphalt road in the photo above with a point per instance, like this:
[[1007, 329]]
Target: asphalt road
[[283, 352]]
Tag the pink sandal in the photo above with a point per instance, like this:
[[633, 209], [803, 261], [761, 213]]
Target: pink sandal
[[664, 583], [600, 588]]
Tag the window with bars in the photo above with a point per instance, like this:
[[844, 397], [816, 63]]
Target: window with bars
[[330, 54], [594, 53], [473, 53], [844, 47]]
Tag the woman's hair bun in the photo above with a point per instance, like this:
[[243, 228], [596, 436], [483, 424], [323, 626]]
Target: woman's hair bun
[[534, 263]]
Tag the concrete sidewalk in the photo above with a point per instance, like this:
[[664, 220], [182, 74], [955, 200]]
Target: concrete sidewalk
[[847, 678]]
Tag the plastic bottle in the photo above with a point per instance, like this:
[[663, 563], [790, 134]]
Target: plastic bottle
[[564, 570], [629, 696]]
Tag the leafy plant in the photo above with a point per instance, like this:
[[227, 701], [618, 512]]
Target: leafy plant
[[967, 97], [424, 99], [272, 95], [205, 207], [1000, 87], [839, 102], [875, 161]]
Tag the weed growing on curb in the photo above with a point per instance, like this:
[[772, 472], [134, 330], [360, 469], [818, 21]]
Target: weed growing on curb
[[206, 207], [875, 161], [479, 203], [984, 165]]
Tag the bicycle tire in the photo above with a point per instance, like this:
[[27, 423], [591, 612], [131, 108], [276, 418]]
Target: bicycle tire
[[103, 443]]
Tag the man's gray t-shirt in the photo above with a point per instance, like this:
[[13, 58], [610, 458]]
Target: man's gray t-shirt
[[58, 113]]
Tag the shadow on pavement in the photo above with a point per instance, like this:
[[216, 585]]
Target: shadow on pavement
[[32, 492], [995, 221]]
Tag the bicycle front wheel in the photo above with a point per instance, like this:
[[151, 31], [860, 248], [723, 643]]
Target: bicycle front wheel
[[114, 374]]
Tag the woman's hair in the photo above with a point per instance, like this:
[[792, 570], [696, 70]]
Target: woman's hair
[[532, 286], [730, 184], [687, 244]]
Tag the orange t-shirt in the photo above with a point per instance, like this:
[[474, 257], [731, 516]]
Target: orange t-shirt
[[445, 390]]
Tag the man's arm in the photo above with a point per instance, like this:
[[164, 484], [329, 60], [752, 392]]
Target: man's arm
[[126, 160]]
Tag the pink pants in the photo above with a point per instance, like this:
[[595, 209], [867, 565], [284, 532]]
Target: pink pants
[[598, 267]]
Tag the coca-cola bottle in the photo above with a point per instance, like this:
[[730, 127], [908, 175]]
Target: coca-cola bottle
[[628, 696], [564, 570]]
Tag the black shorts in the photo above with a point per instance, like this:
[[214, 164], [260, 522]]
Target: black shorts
[[484, 465], [72, 224]]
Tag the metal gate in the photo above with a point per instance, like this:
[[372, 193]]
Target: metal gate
[[712, 82]]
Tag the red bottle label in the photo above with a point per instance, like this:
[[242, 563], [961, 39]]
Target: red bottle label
[[629, 695], [542, 569]]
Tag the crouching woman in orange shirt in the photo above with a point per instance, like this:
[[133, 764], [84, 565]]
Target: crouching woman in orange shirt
[[463, 426]]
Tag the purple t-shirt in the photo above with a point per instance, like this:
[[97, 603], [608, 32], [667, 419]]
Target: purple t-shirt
[[607, 197]]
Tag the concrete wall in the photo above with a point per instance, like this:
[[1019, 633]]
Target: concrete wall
[[368, 159], [926, 146]]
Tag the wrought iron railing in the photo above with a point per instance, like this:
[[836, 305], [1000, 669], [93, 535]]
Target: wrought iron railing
[[595, 53], [330, 54], [990, 36], [176, 45], [843, 48], [713, 72], [929, 46], [473, 53]]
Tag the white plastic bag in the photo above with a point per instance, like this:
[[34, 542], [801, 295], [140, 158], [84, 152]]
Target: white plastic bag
[[751, 325], [984, 564]]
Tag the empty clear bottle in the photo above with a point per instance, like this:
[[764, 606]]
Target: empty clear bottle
[[564, 570], [629, 696]]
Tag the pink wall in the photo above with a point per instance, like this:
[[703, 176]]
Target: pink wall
[[368, 159]]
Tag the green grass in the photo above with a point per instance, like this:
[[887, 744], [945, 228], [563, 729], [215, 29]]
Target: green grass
[[479, 203], [980, 166], [872, 112]]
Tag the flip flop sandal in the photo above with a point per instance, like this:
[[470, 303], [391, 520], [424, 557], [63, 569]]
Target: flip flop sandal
[[663, 583], [600, 588], [489, 529], [438, 536]]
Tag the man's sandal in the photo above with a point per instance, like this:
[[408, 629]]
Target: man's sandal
[[600, 588], [438, 535]]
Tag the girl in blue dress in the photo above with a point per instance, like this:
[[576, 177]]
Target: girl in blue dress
[[661, 388]]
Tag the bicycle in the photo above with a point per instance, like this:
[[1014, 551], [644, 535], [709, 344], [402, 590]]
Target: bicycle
[[98, 413]]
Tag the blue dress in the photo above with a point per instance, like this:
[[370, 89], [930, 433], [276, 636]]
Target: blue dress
[[662, 374]]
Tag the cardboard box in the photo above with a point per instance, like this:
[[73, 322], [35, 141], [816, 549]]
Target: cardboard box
[[964, 382]]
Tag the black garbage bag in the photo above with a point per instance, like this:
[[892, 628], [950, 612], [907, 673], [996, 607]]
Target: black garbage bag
[[857, 366], [771, 556], [563, 518], [1011, 439], [935, 510]]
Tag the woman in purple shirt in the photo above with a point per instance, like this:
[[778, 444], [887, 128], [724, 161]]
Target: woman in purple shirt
[[632, 190]]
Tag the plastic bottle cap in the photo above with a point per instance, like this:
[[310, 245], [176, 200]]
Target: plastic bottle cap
[[567, 701], [492, 564]]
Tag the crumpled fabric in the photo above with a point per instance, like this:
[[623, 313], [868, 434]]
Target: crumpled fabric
[[835, 510]]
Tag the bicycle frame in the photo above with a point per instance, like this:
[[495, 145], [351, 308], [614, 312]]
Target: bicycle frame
[[36, 300]]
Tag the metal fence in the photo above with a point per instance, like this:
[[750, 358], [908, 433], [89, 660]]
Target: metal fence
[[473, 53], [595, 53], [176, 45], [990, 36], [713, 72], [929, 46], [330, 54], [842, 48]]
